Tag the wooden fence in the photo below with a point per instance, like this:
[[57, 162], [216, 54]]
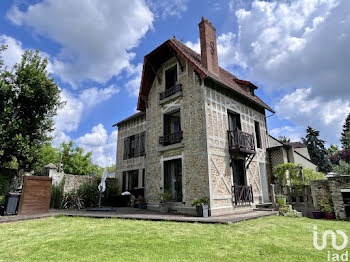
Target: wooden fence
[[36, 195]]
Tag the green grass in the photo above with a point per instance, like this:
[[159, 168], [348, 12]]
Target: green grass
[[86, 239]]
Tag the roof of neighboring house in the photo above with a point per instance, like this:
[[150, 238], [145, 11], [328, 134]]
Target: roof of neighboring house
[[130, 118], [305, 158], [296, 144], [51, 166], [172, 47]]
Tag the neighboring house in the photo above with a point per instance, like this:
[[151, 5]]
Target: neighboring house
[[294, 152], [200, 132]]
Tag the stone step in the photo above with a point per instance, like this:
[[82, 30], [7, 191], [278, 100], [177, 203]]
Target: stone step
[[263, 209]]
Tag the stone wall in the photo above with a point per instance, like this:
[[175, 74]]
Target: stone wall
[[72, 182], [332, 187]]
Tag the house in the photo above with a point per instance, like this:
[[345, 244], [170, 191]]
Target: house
[[293, 152], [200, 132]]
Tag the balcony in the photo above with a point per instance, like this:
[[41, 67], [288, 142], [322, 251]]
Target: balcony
[[243, 195], [240, 142], [171, 138], [171, 91]]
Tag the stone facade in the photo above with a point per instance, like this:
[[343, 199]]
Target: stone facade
[[133, 126]]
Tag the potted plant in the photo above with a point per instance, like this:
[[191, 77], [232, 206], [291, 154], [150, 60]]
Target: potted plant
[[317, 214], [281, 199], [164, 197], [327, 207], [141, 202], [201, 205]]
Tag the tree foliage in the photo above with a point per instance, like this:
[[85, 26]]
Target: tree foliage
[[284, 139], [333, 150], [318, 152], [29, 98], [345, 136], [74, 161]]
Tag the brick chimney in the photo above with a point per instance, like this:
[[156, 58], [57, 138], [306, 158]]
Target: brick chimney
[[209, 54]]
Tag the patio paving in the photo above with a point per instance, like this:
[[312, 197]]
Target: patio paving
[[139, 214]]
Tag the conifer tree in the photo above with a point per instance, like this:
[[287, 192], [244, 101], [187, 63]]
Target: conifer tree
[[345, 136], [318, 152]]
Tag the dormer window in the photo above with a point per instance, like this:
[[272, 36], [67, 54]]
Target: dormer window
[[170, 77], [251, 91]]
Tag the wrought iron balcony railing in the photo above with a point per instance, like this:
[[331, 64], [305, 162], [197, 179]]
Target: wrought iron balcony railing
[[171, 138], [173, 90], [240, 142]]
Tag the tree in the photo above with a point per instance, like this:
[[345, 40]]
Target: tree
[[29, 98], [333, 150], [284, 139], [75, 162], [47, 154], [345, 136], [318, 152]]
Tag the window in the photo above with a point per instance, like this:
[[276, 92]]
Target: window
[[134, 146], [133, 179], [172, 123], [234, 121], [170, 77], [172, 129], [257, 134], [173, 179]]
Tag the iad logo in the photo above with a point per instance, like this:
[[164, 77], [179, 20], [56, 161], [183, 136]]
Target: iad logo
[[334, 239], [332, 256]]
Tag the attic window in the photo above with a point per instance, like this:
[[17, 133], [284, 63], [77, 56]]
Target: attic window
[[170, 77], [251, 91]]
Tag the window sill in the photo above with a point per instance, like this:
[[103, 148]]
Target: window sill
[[170, 147]]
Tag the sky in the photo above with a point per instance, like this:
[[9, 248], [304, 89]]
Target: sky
[[296, 52]]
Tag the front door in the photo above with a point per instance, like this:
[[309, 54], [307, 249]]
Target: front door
[[173, 179], [238, 170]]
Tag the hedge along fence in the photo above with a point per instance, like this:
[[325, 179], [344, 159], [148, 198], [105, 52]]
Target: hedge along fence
[[7, 176]]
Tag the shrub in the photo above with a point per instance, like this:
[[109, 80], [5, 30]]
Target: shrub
[[342, 169], [327, 205], [293, 214], [89, 193], [165, 197], [57, 192], [73, 200], [293, 169], [310, 174]]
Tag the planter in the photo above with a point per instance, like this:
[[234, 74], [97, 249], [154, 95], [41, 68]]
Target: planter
[[282, 201], [317, 214], [163, 209], [142, 205], [202, 211], [330, 216]]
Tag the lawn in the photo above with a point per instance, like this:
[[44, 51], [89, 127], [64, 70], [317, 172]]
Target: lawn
[[87, 239]]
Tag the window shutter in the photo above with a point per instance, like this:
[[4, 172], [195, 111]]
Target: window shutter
[[126, 148], [137, 145], [142, 143]]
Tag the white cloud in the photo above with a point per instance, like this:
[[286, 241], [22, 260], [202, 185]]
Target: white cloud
[[102, 146], [96, 37], [68, 118], [225, 46], [304, 109], [294, 133], [168, 8], [134, 74], [14, 50]]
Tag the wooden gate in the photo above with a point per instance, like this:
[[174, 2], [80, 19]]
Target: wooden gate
[[36, 195]]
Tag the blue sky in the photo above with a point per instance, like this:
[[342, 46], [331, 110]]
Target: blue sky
[[295, 51]]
